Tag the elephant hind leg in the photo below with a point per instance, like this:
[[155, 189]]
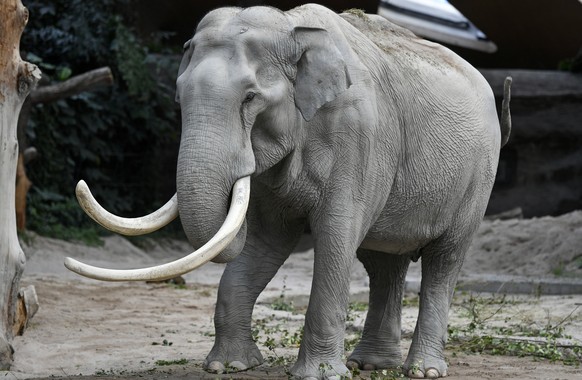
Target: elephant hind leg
[[441, 263], [379, 347]]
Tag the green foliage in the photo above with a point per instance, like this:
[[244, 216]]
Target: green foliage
[[281, 303], [521, 338], [54, 215], [410, 301], [549, 349], [120, 139], [275, 337], [387, 374], [162, 362]]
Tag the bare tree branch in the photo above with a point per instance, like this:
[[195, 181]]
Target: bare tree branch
[[80, 83]]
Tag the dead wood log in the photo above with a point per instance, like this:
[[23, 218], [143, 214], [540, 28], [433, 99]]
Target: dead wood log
[[88, 81], [17, 78]]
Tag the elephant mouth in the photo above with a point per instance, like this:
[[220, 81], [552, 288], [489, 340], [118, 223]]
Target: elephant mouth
[[149, 223]]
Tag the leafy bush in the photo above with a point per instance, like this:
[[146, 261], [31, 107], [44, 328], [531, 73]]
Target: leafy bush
[[123, 140]]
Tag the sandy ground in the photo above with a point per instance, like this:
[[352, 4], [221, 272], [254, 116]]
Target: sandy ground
[[88, 329]]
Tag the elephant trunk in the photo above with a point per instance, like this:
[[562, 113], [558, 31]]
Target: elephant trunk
[[208, 166]]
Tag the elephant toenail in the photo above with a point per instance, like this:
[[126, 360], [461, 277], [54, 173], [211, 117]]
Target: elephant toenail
[[369, 367], [237, 365], [216, 367], [353, 364], [432, 373], [415, 374]]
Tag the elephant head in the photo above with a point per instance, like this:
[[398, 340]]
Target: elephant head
[[249, 83]]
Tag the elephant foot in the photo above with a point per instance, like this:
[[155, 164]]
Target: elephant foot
[[373, 358], [322, 371], [425, 366], [232, 357]]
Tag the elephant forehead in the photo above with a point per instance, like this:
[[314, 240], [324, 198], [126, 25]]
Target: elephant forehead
[[247, 44], [265, 18], [227, 24]]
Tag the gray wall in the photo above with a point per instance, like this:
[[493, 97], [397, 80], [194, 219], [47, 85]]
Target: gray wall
[[541, 167]]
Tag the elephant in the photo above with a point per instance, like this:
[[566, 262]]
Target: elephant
[[386, 145]]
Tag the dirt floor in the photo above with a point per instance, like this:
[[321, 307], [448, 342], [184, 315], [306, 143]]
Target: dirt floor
[[86, 329]]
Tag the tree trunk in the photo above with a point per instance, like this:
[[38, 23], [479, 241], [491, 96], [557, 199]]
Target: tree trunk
[[16, 80]]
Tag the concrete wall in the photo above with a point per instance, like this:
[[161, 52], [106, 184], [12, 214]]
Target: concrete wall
[[541, 167]]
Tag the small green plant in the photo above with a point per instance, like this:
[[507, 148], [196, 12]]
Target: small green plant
[[281, 303], [386, 374], [353, 332], [478, 309], [354, 308], [351, 341], [410, 301], [162, 362], [275, 337], [275, 358], [358, 306], [291, 340]]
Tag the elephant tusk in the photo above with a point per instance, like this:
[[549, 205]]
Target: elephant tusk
[[227, 232], [126, 226]]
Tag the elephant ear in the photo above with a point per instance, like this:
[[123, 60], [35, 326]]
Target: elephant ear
[[322, 73]]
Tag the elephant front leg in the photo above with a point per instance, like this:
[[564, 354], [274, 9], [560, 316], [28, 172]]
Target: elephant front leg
[[242, 282], [234, 348], [322, 348]]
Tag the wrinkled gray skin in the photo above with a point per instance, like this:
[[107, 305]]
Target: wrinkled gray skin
[[386, 144]]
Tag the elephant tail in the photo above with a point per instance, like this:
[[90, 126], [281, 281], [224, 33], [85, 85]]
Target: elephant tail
[[505, 113]]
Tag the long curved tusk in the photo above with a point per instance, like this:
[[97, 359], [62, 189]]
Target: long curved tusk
[[126, 226], [232, 224]]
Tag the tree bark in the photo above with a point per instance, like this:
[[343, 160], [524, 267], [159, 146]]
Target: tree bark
[[17, 78]]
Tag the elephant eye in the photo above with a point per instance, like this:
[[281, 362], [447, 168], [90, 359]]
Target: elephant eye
[[250, 96], [186, 46]]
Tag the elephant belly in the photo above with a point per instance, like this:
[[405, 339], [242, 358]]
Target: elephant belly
[[401, 235], [395, 247]]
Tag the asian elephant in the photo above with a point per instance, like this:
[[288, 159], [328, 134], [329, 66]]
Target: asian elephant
[[385, 144]]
